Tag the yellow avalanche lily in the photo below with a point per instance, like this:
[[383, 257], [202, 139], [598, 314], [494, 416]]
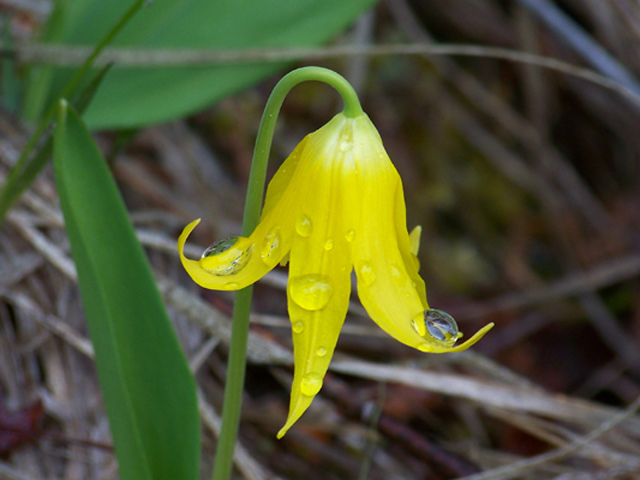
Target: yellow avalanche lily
[[336, 204]]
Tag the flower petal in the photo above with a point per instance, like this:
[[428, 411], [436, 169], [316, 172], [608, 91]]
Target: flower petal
[[436, 347], [264, 249], [320, 266], [282, 178], [388, 282]]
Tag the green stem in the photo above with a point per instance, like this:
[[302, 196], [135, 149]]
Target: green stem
[[242, 307]]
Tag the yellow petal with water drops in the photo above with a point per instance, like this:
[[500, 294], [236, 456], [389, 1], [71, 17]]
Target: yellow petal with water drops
[[385, 287], [436, 348], [230, 271], [251, 258], [320, 266]]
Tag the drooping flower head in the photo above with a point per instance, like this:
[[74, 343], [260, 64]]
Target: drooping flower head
[[335, 205]]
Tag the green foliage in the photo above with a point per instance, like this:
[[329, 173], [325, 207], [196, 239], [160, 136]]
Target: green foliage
[[148, 389], [132, 97], [28, 168]]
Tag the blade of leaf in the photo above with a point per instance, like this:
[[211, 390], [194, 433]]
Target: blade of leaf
[[134, 97], [148, 390], [23, 175]]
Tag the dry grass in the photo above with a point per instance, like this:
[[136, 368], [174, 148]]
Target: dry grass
[[526, 182]]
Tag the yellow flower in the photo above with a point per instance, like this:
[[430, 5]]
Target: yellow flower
[[335, 205]]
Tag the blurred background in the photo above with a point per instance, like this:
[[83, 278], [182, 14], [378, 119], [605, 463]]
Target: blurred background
[[525, 180]]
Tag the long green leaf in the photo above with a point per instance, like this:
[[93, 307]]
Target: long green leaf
[[133, 97], [147, 387]]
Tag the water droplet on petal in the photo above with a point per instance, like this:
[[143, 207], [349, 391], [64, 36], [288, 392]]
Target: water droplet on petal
[[311, 384], [321, 352], [303, 226], [311, 292], [236, 258], [298, 327], [441, 326], [328, 245], [232, 285], [350, 235], [271, 248], [216, 248], [345, 146], [395, 274], [366, 274]]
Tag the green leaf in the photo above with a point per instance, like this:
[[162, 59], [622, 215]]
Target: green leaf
[[133, 97], [148, 389]]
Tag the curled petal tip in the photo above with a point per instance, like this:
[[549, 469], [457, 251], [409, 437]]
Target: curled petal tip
[[463, 346], [221, 264]]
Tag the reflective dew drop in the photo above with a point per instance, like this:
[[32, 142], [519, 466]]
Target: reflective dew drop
[[395, 274], [234, 258], [321, 352], [441, 326], [328, 245], [311, 292], [216, 248], [298, 327], [303, 226], [311, 384], [271, 248], [367, 275], [350, 235], [345, 146]]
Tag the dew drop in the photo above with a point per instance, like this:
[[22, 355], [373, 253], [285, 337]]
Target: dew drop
[[298, 327], [216, 248], [311, 292], [367, 275], [271, 248], [345, 146], [303, 226], [321, 352], [311, 384], [441, 326], [328, 245], [232, 259], [350, 235], [231, 285]]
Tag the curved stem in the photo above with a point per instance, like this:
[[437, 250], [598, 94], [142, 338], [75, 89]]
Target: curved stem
[[240, 328]]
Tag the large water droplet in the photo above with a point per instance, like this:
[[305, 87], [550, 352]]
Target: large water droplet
[[366, 274], [216, 248], [328, 245], [233, 260], [321, 352], [311, 384], [298, 327], [345, 146], [311, 292], [441, 326], [303, 226], [271, 248], [350, 235]]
